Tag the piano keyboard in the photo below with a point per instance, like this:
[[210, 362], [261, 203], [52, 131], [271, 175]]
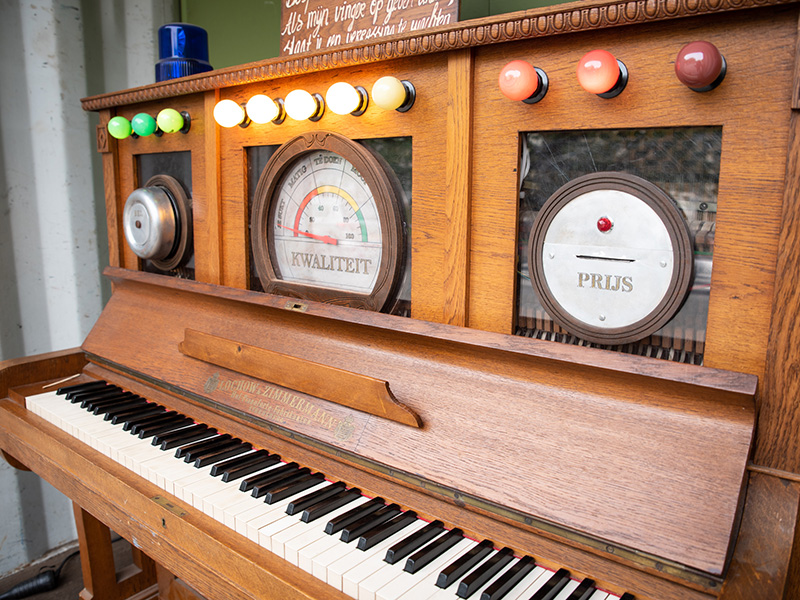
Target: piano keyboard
[[365, 547]]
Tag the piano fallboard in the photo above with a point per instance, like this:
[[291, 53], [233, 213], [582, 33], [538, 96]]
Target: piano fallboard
[[614, 458]]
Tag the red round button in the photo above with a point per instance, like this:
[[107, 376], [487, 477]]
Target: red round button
[[518, 80], [604, 224], [699, 65]]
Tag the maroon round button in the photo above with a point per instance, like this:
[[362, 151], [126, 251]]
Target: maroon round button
[[700, 66]]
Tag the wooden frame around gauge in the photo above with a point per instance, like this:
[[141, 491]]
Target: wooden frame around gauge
[[386, 192], [673, 221]]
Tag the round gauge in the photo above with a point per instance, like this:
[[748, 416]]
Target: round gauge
[[611, 258], [326, 223], [157, 222]]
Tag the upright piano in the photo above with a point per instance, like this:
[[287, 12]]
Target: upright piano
[[484, 327]]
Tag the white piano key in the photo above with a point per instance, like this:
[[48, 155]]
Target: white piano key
[[568, 589], [520, 591], [309, 533], [324, 541], [399, 584], [354, 557], [601, 595]]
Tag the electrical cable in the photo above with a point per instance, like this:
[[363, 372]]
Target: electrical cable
[[45, 581]]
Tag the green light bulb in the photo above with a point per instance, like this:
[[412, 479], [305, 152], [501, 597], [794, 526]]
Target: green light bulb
[[119, 127], [143, 124], [170, 120]]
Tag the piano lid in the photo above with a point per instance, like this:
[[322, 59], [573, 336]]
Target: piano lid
[[641, 455]]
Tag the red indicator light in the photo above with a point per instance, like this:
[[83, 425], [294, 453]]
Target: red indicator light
[[602, 74], [604, 224], [519, 80], [700, 66]]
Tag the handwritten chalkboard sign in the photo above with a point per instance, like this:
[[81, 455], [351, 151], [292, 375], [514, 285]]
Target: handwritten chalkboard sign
[[308, 26]]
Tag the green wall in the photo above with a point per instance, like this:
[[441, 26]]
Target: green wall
[[242, 31]]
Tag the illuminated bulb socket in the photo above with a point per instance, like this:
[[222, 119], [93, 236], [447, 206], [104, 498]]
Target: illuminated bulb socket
[[187, 123], [301, 105], [391, 93], [344, 99], [262, 109], [601, 74], [228, 113]]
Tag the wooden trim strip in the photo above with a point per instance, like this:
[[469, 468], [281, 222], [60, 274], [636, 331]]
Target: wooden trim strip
[[360, 392], [544, 22]]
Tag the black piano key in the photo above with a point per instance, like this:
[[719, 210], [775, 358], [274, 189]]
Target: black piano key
[[134, 420], [627, 596], [182, 451], [90, 404], [506, 582], [250, 468], [433, 550], [336, 524], [356, 529], [135, 425], [262, 489], [127, 410], [268, 476], [238, 461], [94, 395], [313, 497], [220, 445], [328, 505], [386, 529], [77, 397], [295, 486], [463, 564], [178, 422], [222, 454], [168, 441], [81, 387], [584, 590], [482, 574], [413, 542], [552, 586]]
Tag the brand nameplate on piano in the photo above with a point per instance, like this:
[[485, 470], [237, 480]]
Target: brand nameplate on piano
[[293, 410]]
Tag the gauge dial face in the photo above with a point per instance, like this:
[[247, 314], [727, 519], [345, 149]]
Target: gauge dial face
[[611, 259], [326, 229], [326, 223]]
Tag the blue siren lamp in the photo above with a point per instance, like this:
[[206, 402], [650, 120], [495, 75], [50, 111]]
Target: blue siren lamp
[[182, 51]]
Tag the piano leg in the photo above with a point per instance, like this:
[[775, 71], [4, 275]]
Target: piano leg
[[172, 588], [100, 577]]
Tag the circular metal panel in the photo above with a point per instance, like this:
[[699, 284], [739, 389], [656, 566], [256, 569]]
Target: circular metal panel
[[150, 223], [610, 257]]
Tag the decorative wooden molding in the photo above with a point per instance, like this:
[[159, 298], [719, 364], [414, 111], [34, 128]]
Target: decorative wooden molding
[[345, 388], [102, 139], [571, 18]]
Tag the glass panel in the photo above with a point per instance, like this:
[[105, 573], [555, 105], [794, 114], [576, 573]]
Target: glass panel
[[684, 162], [397, 153]]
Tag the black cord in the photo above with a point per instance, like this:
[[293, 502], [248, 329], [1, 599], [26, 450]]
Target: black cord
[[43, 582]]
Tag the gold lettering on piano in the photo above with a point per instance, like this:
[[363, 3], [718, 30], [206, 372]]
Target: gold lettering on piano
[[285, 406]]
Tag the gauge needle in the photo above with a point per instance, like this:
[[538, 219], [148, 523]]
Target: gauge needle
[[322, 238]]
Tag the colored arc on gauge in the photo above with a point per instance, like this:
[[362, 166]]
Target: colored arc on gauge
[[332, 189]]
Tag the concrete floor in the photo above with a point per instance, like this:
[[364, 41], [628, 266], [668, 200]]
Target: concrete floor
[[70, 582]]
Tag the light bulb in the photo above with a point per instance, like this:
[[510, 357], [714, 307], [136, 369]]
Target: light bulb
[[300, 105], [170, 120], [602, 74], [119, 127], [143, 124], [392, 94], [228, 113], [519, 80], [343, 99], [262, 109]]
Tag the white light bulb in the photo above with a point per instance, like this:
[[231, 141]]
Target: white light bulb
[[389, 93], [342, 98], [262, 109], [228, 113], [300, 105]]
